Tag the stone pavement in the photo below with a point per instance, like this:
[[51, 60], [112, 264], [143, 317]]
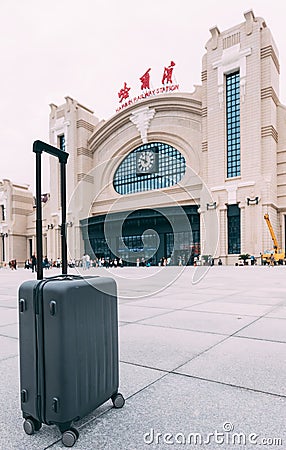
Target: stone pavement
[[201, 362]]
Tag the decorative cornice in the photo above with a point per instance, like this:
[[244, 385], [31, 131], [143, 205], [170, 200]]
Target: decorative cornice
[[204, 146], [204, 112], [267, 52], [269, 131], [204, 76], [269, 92], [60, 113], [231, 40], [21, 211], [162, 104], [82, 151], [85, 177], [84, 124], [22, 199]]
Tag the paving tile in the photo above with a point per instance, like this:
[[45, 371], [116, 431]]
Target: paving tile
[[172, 302], [244, 309], [8, 347], [162, 348], [251, 299], [201, 321], [133, 379], [4, 297], [279, 313], [249, 363], [8, 316], [266, 328], [131, 313], [10, 304], [10, 331], [121, 324], [187, 408]]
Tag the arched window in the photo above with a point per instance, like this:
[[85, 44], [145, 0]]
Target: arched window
[[136, 172]]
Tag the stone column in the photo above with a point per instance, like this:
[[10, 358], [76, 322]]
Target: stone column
[[223, 231], [243, 248]]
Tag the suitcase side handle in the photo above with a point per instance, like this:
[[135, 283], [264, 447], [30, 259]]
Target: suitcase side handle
[[39, 147]]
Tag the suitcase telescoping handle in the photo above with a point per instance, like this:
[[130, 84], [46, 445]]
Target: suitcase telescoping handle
[[39, 147]]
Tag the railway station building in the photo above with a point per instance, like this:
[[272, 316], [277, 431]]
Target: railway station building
[[170, 174]]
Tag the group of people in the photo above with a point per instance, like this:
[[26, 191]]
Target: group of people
[[32, 263], [142, 262], [87, 262], [166, 261], [13, 264]]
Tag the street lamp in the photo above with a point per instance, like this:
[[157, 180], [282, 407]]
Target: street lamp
[[252, 201], [212, 205]]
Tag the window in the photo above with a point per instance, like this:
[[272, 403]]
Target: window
[[233, 124], [3, 212], [101, 247], [233, 229], [62, 142], [172, 167]]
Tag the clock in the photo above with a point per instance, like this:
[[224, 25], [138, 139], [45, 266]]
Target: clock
[[146, 162]]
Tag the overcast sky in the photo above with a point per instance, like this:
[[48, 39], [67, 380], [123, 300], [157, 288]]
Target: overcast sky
[[87, 49]]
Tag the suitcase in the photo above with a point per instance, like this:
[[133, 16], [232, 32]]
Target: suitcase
[[68, 338]]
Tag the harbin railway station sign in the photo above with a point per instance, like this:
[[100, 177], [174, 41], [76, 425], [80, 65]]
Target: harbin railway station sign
[[167, 86]]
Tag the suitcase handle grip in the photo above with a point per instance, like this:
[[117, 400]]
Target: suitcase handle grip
[[39, 147]]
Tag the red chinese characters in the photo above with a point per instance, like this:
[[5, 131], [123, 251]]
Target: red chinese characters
[[167, 87], [123, 94], [168, 72], [145, 80]]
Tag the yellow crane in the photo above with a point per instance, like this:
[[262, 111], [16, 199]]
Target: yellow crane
[[277, 252]]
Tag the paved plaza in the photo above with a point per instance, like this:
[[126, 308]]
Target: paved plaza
[[202, 360]]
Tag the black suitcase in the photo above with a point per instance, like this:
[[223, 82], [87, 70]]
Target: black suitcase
[[68, 338]]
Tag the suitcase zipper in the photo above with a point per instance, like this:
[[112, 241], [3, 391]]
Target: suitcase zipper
[[40, 350]]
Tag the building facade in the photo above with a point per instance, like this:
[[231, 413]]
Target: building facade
[[16, 209], [178, 174]]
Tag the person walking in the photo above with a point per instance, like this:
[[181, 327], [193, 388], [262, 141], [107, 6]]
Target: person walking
[[84, 262], [34, 263]]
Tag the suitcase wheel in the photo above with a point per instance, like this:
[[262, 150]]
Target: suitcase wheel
[[31, 425], [70, 437], [118, 400]]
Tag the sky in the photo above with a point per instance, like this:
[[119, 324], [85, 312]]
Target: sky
[[88, 49]]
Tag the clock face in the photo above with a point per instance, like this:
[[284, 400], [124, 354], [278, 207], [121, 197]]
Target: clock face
[[146, 162]]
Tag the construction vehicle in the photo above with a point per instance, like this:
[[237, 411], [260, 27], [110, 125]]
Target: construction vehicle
[[276, 251]]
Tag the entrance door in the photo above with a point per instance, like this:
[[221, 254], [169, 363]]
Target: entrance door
[[147, 234]]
